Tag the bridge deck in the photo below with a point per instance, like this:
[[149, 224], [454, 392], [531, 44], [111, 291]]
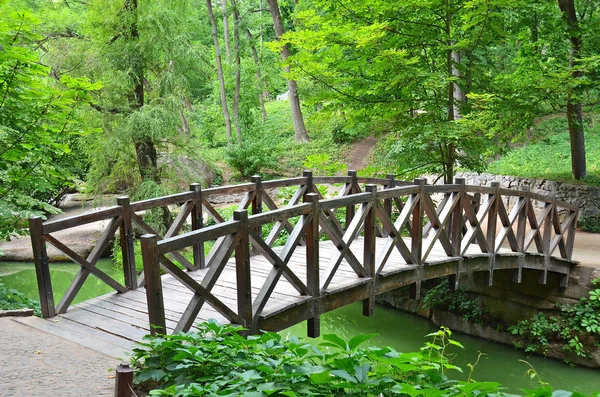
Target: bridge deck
[[111, 323]]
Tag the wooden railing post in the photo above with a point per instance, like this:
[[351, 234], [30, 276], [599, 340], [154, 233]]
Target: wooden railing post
[[417, 236], [126, 240], [153, 284], [547, 237], [492, 222], [387, 203], [242, 271], [197, 223], [350, 209], [312, 266], [571, 235], [369, 250], [42, 267], [457, 218], [124, 381], [257, 205], [309, 183]]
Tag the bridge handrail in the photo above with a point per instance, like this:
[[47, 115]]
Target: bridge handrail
[[456, 223], [195, 204]]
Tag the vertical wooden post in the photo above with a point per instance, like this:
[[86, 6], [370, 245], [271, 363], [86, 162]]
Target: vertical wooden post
[[124, 381], [242, 270], [522, 221], [350, 208], [309, 183], [197, 223], [417, 236], [457, 218], [126, 240], [153, 283], [547, 237], [42, 267], [416, 231], [491, 229], [571, 235], [257, 205], [369, 250], [387, 203], [312, 266]]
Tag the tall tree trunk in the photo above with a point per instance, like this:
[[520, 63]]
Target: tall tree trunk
[[300, 134], [215, 37], [145, 150], [236, 95], [259, 81], [574, 111], [226, 30]]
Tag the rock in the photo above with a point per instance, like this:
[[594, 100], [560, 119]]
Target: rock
[[16, 313]]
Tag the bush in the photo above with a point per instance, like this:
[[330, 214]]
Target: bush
[[590, 224], [218, 360], [457, 301], [252, 157], [11, 299], [577, 327]]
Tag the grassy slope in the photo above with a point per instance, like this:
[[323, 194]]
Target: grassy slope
[[548, 154]]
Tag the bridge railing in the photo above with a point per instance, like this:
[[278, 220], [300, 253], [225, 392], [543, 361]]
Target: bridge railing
[[423, 223]]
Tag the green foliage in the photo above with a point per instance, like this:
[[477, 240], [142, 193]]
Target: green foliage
[[39, 123], [218, 360], [322, 164], [589, 224], [577, 327], [551, 151], [252, 157], [456, 301], [11, 299]]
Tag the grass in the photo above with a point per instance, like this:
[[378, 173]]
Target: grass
[[548, 155]]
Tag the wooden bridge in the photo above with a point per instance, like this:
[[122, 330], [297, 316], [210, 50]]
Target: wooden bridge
[[269, 268]]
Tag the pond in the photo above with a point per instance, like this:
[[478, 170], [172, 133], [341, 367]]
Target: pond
[[21, 276], [406, 332], [402, 331]]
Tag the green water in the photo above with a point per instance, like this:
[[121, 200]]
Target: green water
[[404, 332], [21, 276]]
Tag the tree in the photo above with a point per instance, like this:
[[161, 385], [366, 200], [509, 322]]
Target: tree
[[300, 134], [406, 68], [223, 94], [39, 121], [574, 107]]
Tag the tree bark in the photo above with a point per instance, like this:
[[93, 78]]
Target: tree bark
[[145, 150], [226, 30], [574, 109], [300, 134], [259, 81], [215, 37], [236, 95]]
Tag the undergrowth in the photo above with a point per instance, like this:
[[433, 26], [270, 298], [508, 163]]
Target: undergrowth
[[577, 327], [216, 360], [11, 299], [551, 150]]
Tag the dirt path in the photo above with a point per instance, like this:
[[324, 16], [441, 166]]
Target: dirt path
[[360, 153]]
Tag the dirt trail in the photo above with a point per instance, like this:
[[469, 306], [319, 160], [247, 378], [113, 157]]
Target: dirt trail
[[360, 153]]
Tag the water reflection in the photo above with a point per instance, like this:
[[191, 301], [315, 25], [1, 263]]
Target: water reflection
[[406, 332]]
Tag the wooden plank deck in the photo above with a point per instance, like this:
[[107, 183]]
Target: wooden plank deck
[[112, 323]]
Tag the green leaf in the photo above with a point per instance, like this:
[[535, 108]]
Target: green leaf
[[358, 340]]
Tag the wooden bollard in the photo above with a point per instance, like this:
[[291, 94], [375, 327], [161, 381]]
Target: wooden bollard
[[124, 381]]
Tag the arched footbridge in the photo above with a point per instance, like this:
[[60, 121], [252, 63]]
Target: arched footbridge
[[291, 253]]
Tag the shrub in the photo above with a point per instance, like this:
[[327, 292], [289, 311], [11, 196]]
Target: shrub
[[11, 299]]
